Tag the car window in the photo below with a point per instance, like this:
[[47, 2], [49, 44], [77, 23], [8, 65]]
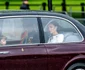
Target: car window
[[19, 30], [59, 30]]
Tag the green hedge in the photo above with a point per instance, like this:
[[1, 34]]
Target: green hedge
[[39, 2]]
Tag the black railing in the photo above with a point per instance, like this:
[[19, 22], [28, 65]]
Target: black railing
[[49, 7], [44, 5]]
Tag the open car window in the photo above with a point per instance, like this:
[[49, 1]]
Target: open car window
[[59, 30], [19, 30]]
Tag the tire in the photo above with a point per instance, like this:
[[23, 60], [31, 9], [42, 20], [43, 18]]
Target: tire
[[77, 66]]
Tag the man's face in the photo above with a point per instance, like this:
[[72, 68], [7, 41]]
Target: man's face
[[25, 2]]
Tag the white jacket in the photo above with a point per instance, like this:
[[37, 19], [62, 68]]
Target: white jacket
[[56, 39]]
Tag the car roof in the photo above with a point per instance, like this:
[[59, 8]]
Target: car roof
[[20, 12]]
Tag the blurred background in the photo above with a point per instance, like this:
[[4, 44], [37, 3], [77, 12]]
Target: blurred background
[[74, 8]]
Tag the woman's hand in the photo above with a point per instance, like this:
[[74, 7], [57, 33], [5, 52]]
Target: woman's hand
[[3, 41]]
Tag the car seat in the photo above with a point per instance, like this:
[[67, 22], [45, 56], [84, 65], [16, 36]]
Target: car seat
[[71, 37]]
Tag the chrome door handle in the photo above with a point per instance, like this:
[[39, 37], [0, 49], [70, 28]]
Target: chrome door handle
[[4, 52]]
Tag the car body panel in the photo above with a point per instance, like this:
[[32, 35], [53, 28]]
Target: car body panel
[[23, 57], [60, 54], [79, 58]]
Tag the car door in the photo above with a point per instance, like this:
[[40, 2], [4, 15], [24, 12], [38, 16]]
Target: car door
[[59, 53], [22, 50]]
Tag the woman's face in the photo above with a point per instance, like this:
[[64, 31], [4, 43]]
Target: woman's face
[[52, 28]]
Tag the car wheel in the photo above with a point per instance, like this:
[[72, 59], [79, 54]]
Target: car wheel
[[77, 66]]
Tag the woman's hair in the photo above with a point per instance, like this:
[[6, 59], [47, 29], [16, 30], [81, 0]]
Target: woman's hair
[[54, 23]]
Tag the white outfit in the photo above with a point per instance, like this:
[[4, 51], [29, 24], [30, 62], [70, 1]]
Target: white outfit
[[56, 39]]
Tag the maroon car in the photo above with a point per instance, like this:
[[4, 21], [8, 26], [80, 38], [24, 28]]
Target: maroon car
[[28, 43]]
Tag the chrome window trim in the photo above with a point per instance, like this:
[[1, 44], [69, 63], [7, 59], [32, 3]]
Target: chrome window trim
[[45, 16]]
